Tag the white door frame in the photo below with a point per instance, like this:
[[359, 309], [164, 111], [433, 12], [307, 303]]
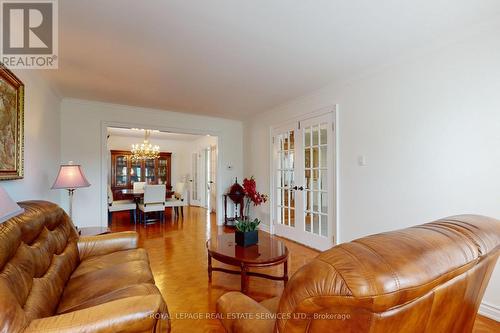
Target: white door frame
[[334, 200], [136, 124]]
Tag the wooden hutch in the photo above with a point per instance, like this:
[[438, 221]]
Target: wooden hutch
[[125, 172]]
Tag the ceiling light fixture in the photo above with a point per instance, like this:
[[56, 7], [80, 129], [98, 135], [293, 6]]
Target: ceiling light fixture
[[145, 150]]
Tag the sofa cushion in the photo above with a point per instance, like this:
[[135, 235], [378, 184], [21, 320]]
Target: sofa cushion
[[108, 260], [142, 289], [82, 286]]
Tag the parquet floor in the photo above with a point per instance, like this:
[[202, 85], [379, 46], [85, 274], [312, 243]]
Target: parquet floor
[[179, 262]]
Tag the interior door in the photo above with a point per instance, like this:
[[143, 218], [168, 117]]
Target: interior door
[[212, 182], [205, 162], [285, 204], [195, 180], [304, 184], [317, 179]]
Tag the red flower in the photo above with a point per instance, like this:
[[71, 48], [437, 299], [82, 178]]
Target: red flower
[[250, 188]]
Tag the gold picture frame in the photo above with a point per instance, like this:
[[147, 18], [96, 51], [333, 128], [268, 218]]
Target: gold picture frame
[[11, 125]]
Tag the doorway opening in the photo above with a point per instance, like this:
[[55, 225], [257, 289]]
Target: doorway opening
[[185, 164]]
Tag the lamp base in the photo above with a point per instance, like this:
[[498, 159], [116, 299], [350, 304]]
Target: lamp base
[[70, 194]]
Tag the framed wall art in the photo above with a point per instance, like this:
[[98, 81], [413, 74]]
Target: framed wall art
[[11, 125]]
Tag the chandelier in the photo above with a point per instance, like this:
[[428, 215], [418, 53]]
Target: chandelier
[[145, 150]]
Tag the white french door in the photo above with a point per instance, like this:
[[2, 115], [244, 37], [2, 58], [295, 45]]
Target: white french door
[[201, 181], [212, 181], [304, 181], [195, 179]]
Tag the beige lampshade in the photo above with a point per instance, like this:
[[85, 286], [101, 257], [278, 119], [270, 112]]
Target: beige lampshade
[[70, 177], [8, 207]]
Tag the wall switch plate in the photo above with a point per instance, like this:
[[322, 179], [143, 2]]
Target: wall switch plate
[[362, 160]]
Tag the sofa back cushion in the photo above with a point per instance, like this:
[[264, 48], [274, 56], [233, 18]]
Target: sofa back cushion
[[383, 282], [38, 253]]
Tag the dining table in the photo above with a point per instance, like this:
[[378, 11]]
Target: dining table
[[138, 194]]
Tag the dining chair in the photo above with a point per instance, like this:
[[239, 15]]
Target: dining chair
[[119, 206], [139, 186], [179, 200], [154, 201]]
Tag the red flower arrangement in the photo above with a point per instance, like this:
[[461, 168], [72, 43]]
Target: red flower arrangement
[[257, 198], [250, 188]]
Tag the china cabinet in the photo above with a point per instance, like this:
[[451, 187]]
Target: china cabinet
[[125, 171]]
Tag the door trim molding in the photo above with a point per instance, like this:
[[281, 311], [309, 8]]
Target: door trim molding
[[332, 109], [104, 124]]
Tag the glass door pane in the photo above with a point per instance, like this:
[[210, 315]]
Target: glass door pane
[[135, 172], [149, 171], [285, 178], [315, 141], [162, 170], [121, 171], [195, 176]]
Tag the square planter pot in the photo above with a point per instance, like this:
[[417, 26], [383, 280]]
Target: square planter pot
[[246, 239]]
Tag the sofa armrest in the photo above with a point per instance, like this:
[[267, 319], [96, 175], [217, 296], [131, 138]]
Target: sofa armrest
[[89, 246], [132, 314], [241, 314]]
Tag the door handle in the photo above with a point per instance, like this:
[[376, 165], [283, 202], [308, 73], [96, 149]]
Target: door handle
[[301, 188]]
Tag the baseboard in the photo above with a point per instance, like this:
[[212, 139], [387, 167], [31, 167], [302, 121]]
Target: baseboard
[[490, 311], [265, 227]]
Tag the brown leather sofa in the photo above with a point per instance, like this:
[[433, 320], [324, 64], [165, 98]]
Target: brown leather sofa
[[428, 278], [52, 280]]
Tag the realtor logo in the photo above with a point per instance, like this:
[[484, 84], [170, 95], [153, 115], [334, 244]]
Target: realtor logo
[[29, 34]]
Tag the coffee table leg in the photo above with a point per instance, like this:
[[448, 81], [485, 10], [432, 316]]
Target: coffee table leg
[[209, 268], [244, 278], [285, 271]]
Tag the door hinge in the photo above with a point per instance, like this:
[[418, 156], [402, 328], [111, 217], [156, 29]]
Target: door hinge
[[333, 126], [299, 124]]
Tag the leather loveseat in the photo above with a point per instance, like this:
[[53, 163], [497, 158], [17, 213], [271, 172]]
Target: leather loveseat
[[52, 280], [428, 278]]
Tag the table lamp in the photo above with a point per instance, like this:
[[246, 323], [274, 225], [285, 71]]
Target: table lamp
[[70, 177], [8, 207]]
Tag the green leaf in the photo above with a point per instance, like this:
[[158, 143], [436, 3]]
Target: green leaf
[[247, 225]]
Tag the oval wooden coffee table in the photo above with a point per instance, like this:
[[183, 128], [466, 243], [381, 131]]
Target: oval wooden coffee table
[[269, 251]]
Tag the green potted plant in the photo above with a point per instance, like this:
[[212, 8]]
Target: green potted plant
[[246, 228]]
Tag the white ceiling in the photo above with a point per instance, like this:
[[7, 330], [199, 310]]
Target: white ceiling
[[139, 133], [236, 57]]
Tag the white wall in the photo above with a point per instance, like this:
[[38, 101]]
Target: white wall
[[430, 131], [41, 141], [83, 140]]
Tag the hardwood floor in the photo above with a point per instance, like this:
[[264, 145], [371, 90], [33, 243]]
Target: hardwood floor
[[179, 262]]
